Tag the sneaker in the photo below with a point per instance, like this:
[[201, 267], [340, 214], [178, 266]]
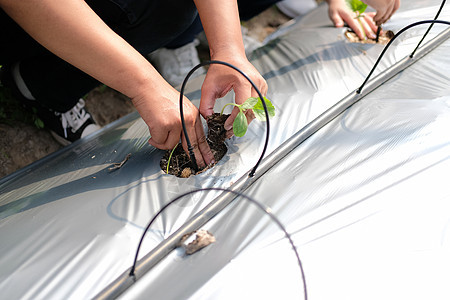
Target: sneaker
[[72, 125], [175, 64], [65, 127]]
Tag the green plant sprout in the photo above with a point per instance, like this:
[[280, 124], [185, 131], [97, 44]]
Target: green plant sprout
[[240, 123], [170, 157], [358, 7]]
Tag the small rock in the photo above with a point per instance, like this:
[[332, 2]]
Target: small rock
[[186, 173], [202, 239]]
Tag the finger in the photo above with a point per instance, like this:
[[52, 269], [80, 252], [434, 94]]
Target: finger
[[172, 138], [390, 12], [336, 19], [249, 114], [263, 88], [367, 29], [241, 94], [203, 147], [368, 17], [197, 139], [396, 6], [354, 24], [194, 143], [229, 133], [382, 15], [228, 125], [211, 90], [207, 102], [208, 98]]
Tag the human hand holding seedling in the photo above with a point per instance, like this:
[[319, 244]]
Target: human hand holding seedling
[[358, 7], [341, 13], [221, 79], [240, 122]]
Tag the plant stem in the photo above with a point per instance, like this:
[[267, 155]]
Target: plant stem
[[359, 16], [170, 157], [223, 108]]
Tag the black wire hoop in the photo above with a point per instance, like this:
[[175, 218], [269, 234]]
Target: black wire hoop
[[190, 148], [358, 91], [261, 206], [429, 28]]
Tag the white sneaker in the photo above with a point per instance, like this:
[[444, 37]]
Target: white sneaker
[[175, 64], [72, 125], [296, 8]]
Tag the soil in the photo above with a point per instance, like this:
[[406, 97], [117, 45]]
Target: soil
[[383, 39], [22, 143], [180, 164]]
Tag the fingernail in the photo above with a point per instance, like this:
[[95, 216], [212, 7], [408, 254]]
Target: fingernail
[[228, 127]]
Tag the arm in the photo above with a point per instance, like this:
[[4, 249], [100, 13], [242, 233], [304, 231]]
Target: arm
[[220, 20], [93, 47]]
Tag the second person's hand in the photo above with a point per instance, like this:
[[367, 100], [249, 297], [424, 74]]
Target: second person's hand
[[340, 14]]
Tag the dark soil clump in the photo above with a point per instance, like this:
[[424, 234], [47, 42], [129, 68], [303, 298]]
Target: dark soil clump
[[383, 39], [180, 164]]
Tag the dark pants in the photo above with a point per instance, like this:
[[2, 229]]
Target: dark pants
[[247, 10], [146, 24]]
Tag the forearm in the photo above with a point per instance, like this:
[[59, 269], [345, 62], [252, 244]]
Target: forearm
[[221, 22], [72, 31]]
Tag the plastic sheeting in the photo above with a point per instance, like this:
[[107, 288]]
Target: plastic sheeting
[[366, 198]]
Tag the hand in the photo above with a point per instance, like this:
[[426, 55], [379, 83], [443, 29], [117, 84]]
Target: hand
[[339, 13], [385, 9], [162, 115], [221, 79], [95, 49]]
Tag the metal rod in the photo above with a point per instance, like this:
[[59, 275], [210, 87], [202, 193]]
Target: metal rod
[[124, 281]]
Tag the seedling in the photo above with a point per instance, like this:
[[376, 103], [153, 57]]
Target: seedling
[[170, 157], [358, 7], [240, 122]]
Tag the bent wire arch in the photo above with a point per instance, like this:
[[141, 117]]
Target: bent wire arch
[[429, 28], [261, 206], [190, 148], [358, 91]]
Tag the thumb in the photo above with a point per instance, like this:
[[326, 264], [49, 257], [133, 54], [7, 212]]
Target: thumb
[[336, 19], [207, 101]]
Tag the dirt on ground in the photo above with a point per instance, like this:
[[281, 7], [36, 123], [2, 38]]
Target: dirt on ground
[[23, 143]]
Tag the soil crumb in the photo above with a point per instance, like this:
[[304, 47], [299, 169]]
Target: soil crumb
[[180, 164], [383, 39]]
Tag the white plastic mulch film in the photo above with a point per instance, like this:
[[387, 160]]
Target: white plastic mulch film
[[365, 198]]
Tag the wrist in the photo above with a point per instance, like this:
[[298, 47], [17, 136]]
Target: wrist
[[228, 50]]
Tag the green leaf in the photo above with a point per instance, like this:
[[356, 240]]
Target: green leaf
[[258, 109], [357, 5], [240, 125], [249, 103], [38, 123]]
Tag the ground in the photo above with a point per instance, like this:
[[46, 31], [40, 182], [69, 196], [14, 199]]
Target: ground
[[22, 142]]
